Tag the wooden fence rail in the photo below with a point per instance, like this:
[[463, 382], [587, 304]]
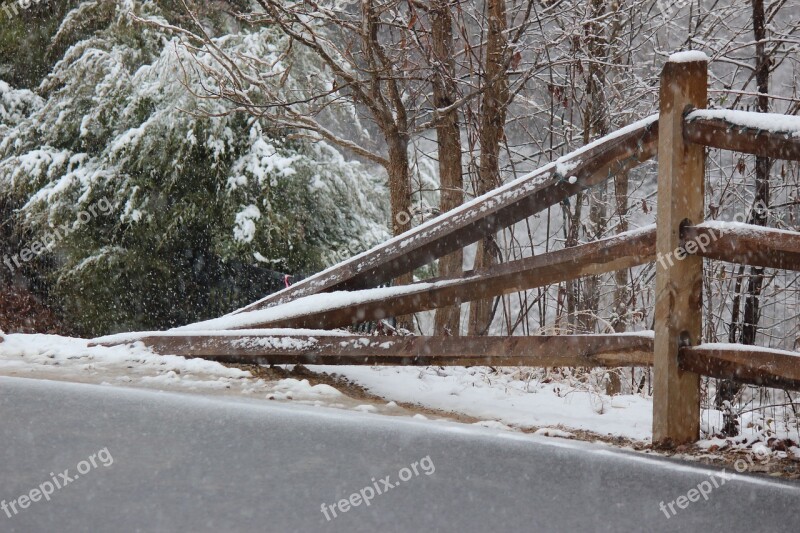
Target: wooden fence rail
[[747, 364], [761, 135], [483, 216], [744, 243], [322, 311], [276, 349]]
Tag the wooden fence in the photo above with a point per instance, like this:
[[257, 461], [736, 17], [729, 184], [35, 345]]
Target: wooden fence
[[345, 294]]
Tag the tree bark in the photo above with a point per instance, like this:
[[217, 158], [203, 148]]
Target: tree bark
[[447, 320], [400, 198], [572, 290], [595, 124], [492, 130], [761, 200], [399, 190], [728, 389], [621, 297]]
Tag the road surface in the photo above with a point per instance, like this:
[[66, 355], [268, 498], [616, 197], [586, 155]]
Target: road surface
[[119, 460]]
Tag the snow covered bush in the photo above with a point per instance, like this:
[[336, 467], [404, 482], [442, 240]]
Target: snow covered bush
[[201, 195]]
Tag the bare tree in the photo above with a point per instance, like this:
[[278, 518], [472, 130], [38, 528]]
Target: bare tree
[[494, 105], [448, 134], [758, 215]]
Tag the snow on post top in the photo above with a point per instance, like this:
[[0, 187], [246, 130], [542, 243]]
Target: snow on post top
[[688, 56]]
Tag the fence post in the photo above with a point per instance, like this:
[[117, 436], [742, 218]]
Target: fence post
[[679, 278]]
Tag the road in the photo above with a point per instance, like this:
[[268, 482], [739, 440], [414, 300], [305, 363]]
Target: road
[[138, 460]]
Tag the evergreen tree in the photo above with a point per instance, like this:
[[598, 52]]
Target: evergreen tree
[[203, 203]]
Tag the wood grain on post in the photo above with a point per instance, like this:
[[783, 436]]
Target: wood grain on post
[[676, 394]]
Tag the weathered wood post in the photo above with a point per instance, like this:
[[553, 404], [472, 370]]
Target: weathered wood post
[[679, 278]]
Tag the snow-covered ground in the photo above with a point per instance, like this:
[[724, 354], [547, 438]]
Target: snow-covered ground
[[511, 396], [511, 399], [62, 358]]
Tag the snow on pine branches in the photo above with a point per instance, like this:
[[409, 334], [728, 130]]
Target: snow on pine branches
[[118, 117]]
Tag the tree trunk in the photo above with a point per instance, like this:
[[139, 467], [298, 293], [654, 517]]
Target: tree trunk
[[761, 200], [572, 290], [621, 297], [728, 389], [595, 124], [448, 319], [399, 190], [591, 286], [400, 197], [492, 128]]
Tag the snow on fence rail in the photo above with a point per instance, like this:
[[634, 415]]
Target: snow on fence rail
[[343, 308], [736, 242], [764, 134], [615, 350], [483, 216], [674, 349]]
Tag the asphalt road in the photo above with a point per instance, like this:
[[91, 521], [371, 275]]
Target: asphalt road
[[135, 460]]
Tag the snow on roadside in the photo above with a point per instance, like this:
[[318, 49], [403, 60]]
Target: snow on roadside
[[503, 401], [505, 398], [64, 358], [509, 399], [554, 432], [53, 350]]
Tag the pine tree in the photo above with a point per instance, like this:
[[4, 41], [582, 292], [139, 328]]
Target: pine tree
[[203, 202]]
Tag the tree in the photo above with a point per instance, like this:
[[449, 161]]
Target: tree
[[205, 201], [758, 216], [388, 62], [448, 135], [367, 69], [494, 105]]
